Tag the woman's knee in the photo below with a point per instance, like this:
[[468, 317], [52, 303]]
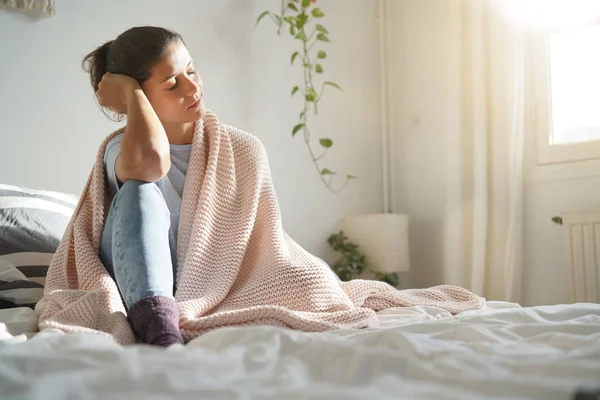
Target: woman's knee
[[141, 197], [137, 188]]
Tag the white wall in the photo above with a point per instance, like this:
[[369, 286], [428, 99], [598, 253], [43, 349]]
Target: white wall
[[51, 128], [426, 82], [424, 107]]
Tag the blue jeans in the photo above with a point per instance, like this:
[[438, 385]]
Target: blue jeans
[[135, 243]]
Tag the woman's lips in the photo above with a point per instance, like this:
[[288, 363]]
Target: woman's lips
[[196, 104]]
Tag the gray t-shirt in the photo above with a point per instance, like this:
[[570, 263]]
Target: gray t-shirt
[[171, 186]]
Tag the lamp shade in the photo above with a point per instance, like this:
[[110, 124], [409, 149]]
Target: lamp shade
[[382, 238]]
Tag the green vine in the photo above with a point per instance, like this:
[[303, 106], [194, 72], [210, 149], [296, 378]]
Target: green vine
[[353, 262], [298, 17]]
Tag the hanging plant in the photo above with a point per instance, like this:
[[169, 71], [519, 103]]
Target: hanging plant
[[299, 18]]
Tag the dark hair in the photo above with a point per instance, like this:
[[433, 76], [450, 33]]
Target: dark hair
[[133, 53]]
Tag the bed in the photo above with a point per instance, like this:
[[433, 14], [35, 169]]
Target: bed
[[500, 351]]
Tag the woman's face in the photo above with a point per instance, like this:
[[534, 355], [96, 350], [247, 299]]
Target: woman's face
[[174, 88]]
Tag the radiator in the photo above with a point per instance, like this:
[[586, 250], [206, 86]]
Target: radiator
[[582, 238]]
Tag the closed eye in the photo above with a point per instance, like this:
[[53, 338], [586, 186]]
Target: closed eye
[[177, 83]]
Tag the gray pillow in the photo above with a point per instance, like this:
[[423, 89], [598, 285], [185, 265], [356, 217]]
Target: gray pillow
[[32, 223]]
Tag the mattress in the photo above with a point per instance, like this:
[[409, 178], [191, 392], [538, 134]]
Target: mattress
[[500, 351]]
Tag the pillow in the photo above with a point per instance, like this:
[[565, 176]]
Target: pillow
[[32, 223]]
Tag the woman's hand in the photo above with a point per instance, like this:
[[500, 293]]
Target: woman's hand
[[114, 91]]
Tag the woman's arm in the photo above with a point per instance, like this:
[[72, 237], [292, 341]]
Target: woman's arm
[[145, 152]]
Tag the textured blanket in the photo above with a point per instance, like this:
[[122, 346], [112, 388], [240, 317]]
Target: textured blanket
[[236, 265]]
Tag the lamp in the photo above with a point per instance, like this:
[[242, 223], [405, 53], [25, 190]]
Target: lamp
[[382, 238]]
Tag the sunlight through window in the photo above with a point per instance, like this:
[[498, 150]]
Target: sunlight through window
[[575, 86]]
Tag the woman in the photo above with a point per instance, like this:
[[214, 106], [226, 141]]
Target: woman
[[190, 201], [147, 74]]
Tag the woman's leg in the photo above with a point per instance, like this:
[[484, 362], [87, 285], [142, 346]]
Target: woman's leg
[[135, 250]]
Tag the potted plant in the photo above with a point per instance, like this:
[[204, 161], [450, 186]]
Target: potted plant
[[353, 263]]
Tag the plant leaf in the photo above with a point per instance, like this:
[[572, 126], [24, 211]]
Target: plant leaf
[[321, 28], [391, 278], [296, 129], [302, 114], [310, 97], [323, 38], [318, 69], [326, 142], [292, 7], [335, 85], [294, 57], [305, 3], [301, 36], [317, 13], [292, 30], [294, 90], [326, 171], [321, 54], [261, 16], [301, 20], [350, 177]]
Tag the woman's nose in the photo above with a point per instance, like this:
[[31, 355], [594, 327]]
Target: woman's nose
[[192, 87]]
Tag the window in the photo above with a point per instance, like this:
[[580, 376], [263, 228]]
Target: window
[[567, 92]]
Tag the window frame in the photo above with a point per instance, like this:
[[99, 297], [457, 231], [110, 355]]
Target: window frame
[[542, 109]]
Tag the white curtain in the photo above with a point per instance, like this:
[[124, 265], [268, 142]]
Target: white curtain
[[484, 211]]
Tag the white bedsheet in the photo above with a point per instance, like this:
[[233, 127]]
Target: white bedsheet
[[501, 351]]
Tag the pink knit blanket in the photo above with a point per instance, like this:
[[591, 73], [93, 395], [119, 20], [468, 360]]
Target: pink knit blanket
[[236, 265]]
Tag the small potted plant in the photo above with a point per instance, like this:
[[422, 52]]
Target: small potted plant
[[353, 263]]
